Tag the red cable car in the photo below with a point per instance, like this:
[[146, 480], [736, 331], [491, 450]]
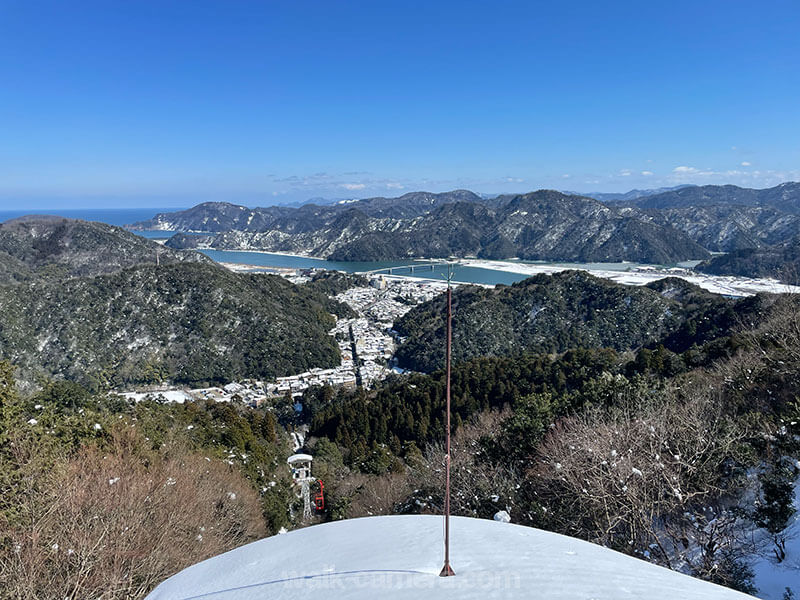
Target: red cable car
[[319, 499]]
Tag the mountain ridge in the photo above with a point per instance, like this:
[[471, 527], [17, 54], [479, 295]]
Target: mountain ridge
[[43, 246], [661, 226], [541, 225]]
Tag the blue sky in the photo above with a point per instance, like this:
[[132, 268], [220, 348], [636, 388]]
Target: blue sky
[[162, 103]]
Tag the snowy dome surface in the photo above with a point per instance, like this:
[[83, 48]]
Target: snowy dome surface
[[397, 557]]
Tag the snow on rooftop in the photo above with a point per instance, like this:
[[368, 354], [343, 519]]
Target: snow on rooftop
[[299, 457], [399, 557], [176, 396]]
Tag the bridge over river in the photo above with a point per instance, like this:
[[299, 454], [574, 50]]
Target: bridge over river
[[416, 267]]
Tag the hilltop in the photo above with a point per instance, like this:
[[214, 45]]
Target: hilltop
[[635, 194], [40, 246], [185, 322], [785, 197], [552, 313], [781, 261], [86, 301], [400, 557], [215, 217]]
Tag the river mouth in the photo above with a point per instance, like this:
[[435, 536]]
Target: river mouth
[[507, 272], [466, 271]]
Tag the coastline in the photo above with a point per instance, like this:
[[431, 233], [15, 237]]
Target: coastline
[[720, 284], [636, 274]]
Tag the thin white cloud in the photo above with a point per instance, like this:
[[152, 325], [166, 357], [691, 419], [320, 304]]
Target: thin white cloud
[[353, 186], [625, 172], [741, 176], [647, 173], [392, 185], [565, 176], [306, 180]]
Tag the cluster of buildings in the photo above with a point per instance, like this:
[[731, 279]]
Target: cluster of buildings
[[371, 335], [386, 300], [250, 392], [295, 385], [367, 344], [374, 348]]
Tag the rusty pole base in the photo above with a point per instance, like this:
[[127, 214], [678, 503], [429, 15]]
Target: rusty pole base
[[447, 571]]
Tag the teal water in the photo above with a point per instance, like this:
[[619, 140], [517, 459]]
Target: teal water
[[121, 217], [464, 274], [264, 259]]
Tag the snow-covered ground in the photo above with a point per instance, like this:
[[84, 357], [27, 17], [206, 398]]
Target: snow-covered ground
[[772, 578], [176, 396], [389, 558], [729, 286]]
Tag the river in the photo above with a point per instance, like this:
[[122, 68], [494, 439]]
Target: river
[[506, 271]]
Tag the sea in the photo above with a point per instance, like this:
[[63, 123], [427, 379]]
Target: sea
[[113, 216]]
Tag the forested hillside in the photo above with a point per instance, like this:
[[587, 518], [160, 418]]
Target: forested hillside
[[37, 247], [652, 451], [186, 322], [105, 499], [781, 262], [553, 313], [730, 227]]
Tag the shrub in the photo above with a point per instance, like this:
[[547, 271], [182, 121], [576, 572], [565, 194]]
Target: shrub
[[122, 518]]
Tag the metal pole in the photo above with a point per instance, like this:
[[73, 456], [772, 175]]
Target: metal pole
[[447, 571]]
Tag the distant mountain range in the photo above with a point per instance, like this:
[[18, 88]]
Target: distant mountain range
[[725, 218], [784, 197], [629, 196], [663, 226], [543, 225]]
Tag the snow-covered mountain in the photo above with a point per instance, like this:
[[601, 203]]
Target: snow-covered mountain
[[400, 557], [542, 225], [629, 196]]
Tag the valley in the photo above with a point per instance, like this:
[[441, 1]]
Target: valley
[[570, 382]]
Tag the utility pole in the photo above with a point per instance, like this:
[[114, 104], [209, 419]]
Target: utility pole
[[447, 570]]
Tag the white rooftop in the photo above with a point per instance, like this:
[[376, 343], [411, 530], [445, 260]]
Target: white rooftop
[[399, 557], [299, 457]]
